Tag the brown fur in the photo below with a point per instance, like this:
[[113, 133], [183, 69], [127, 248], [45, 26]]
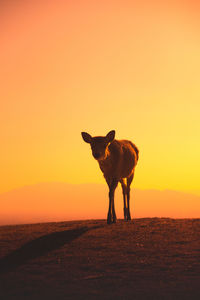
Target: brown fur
[[117, 160], [120, 161]]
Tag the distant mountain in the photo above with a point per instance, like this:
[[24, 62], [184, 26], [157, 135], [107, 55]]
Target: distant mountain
[[46, 202]]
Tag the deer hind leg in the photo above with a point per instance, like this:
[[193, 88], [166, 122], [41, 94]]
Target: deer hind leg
[[129, 180], [111, 211], [124, 191]]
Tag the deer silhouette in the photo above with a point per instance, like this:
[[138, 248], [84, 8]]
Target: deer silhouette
[[117, 160]]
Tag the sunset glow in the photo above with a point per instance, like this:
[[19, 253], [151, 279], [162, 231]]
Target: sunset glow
[[95, 66]]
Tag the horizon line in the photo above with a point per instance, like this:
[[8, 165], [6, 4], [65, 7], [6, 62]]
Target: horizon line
[[193, 192]]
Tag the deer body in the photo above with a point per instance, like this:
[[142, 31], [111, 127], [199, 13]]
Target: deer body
[[120, 160], [117, 160]]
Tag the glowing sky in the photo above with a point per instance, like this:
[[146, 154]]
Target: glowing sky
[[72, 66]]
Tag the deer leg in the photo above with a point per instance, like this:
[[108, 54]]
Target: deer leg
[[109, 217], [111, 211], [128, 204], [129, 180], [124, 190], [125, 208]]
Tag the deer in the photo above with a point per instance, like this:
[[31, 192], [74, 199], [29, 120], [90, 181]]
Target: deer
[[117, 160]]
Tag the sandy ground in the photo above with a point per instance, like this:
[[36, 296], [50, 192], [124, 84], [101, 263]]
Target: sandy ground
[[143, 259]]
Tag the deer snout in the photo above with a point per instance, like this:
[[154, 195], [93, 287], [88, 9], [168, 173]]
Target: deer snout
[[96, 155]]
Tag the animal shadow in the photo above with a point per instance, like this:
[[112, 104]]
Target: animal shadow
[[40, 247]]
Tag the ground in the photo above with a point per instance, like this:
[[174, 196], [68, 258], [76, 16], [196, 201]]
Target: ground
[[152, 258]]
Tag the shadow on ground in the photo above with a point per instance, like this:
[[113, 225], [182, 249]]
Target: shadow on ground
[[40, 247]]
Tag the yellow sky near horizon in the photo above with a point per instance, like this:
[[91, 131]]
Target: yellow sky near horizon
[[72, 66]]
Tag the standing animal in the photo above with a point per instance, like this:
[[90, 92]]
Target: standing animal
[[117, 160]]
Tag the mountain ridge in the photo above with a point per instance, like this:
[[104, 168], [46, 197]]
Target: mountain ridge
[[58, 201]]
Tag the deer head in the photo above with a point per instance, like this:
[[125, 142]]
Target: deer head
[[99, 144]]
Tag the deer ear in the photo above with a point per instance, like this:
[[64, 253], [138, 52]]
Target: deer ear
[[86, 137], [110, 136]]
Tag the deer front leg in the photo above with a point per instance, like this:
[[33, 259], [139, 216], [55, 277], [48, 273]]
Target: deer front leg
[[109, 217], [111, 211]]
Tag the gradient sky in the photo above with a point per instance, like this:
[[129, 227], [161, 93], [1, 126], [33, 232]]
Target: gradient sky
[[72, 66]]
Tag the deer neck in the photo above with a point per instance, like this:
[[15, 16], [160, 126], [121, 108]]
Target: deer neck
[[105, 162]]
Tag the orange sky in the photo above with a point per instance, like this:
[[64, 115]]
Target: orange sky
[[72, 66], [48, 202]]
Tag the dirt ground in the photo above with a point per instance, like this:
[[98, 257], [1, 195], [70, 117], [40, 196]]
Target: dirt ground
[[153, 258]]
